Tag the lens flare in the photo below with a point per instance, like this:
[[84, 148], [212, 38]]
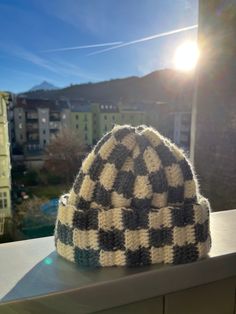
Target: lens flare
[[48, 261], [186, 56]]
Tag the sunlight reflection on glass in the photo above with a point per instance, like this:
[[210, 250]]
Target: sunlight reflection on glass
[[48, 261]]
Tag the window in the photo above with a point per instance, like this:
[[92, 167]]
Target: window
[[2, 223], [3, 200], [3, 167], [77, 126], [85, 127], [77, 117], [2, 137], [20, 125], [1, 107], [105, 117], [43, 120], [44, 132], [44, 142]]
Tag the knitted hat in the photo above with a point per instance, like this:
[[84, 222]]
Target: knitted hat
[[135, 201]]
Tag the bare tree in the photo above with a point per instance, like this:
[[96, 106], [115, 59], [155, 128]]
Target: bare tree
[[29, 213], [64, 155]]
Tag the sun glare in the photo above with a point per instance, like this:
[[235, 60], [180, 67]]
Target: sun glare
[[186, 56]]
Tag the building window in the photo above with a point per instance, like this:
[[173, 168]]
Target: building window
[[105, 117], [43, 120], [77, 117], [19, 116], [44, 142], [3, 168], [85, 127], [1, 107], [44, 132], [2, 137], [77, 126], [3, 200], [20, 125]]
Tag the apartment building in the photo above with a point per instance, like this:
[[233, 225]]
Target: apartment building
[[5, 165], [133, 115], [81, 121], [180, 123], [105, 116], [37, 121]]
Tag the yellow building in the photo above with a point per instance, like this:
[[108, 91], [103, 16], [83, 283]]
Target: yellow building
[[133, 116], [105, 116], [5, 166], [82, 122]]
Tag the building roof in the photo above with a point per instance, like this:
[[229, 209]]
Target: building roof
[[80, 105], [84, 108], [32, 104], [107, 107]]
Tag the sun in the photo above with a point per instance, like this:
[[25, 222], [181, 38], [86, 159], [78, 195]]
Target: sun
[[186, 56]]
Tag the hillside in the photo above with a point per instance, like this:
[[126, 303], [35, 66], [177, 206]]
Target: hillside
[[164, 85]]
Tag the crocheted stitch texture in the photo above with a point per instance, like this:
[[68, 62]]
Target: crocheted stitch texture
[[135, 201]]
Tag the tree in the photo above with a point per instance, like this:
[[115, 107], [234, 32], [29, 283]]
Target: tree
[[64, 155], [29, 214]]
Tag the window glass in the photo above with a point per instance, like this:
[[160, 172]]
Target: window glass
[[3, 200], [1, 106]]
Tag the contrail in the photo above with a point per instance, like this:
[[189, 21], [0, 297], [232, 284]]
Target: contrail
[[84, 47], [144, 39]]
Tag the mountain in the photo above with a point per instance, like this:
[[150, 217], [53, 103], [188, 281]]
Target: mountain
[[43, 86], [164, 85]]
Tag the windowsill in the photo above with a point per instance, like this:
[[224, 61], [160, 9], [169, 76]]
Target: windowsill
[[32, 270]]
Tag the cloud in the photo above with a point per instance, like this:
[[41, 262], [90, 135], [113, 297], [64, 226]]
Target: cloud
[[59, 67], [84, 47], [145, 39], [27, 55]]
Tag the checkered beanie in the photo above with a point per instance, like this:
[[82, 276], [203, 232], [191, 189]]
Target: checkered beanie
[[135, 201]]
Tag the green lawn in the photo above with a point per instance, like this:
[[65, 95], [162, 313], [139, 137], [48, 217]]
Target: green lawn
[[48, 191]]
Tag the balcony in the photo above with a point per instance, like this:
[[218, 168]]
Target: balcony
[[32, 127], [31, 116], [55, 116], [34, 279]]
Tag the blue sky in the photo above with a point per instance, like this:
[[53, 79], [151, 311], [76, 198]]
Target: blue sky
[[30, 28]]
